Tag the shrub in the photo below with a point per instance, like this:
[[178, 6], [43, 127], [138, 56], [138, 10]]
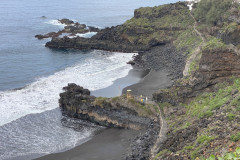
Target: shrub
[[210, 11]]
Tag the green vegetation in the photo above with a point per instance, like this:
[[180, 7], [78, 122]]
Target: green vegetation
[[231, 116], [229, 27], [154, 24], [165, 151], [211, 11], [143, 110], [187, 41], [213, 44], [114, 99], [188, 148], [99, 101], [228, 156], [204, 139], [236, 137], [186, 125], [140, 22], [194, 66], [203, 105]]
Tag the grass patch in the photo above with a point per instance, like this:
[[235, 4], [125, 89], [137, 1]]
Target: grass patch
[[100, 101], [187, 41], [229, 27], [163, 152], [204, 104], [140, 22], [236, 137], [188, 148], [204, 139], [143, 110], [231, 116], [213, 44]]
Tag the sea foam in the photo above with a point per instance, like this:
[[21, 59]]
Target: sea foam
[[94, 73], [55, 22]]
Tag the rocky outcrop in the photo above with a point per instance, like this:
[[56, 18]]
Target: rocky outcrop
[[116, 112], [93, 43], [71, 28], [77, 102], [66, 21]]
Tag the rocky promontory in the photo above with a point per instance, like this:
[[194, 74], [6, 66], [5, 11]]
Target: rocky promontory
[[118, 112]]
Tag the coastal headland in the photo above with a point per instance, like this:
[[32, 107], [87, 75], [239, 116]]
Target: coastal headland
[[193, 85]]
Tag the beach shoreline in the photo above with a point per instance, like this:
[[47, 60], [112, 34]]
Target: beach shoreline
[[117, 140], [115, 143]]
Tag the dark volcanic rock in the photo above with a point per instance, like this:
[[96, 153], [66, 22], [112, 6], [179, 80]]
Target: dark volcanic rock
[[163, 57], [71, 29], [66, 21], [143, 143]]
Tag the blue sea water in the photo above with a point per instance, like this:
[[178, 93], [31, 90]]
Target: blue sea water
[[41, 72]]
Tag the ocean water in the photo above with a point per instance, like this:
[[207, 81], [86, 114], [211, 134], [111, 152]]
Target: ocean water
[[32, 76]]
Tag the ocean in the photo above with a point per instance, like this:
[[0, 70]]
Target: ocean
[[32, 76]]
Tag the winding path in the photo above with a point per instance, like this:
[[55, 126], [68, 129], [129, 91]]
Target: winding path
[[197, 50], [161, 136]]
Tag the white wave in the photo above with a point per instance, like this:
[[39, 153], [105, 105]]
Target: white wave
[[84, 35], [55, 22], [97, 72], [41, 134]]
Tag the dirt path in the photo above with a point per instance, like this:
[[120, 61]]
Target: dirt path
[[197, 50], [161, 136]]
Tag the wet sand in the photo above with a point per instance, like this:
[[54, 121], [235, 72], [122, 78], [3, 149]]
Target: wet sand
[[152, 82], [110, 144]]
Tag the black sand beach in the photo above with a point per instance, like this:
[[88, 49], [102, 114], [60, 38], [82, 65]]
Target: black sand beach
[[152, 82], [134, 76], [110, 144]]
